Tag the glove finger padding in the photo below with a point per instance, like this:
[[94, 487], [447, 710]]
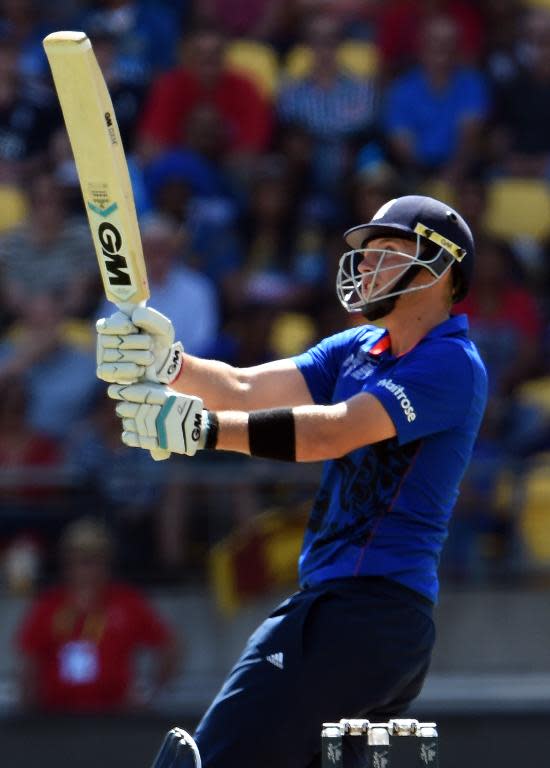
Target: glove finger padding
[[137, 356], [132, 341], [145, 420], [152, 394], [133, 440], [126, 410], [151, 412], [120, 373], [118, 324], [149, 332], [153, 322]]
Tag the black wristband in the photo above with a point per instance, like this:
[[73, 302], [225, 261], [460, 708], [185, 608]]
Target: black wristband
[[212, 429], [272, 434]]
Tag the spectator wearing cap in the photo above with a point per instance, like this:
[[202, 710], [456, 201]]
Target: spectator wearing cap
[[78, 640]]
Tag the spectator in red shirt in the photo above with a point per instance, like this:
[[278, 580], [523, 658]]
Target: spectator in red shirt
[[78, 641], [202, 79], [400, 23]]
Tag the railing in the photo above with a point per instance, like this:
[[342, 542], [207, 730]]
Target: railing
[[500, 528]]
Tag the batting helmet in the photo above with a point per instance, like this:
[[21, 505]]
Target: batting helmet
[[443, 238]]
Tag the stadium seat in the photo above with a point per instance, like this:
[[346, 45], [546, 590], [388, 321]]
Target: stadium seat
[[13, 207], [439, 189], [291, 333], [518, 208], [257, 60], [358, 57], [536, 393], [534, 523], [298, 61]]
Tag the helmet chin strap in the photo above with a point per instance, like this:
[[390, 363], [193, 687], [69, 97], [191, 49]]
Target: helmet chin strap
[[374, 310]]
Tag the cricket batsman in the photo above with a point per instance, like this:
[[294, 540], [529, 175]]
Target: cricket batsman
[[393, 411]]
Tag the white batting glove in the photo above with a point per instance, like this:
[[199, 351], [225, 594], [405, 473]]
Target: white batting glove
[[155, 417], [131, 348]]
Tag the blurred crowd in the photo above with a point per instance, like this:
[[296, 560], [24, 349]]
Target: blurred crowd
[[256, 132]]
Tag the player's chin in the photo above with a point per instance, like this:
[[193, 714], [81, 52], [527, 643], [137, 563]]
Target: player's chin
[[376, 310]]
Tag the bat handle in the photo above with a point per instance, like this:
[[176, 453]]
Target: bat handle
[[158, 454]]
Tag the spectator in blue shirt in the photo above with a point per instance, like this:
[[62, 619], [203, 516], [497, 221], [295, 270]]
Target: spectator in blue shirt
[[52, 353], [434, 113], [336, 108], [147, 35]]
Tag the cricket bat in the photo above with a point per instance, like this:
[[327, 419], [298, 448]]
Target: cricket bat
[[101, 164], [102, 170]]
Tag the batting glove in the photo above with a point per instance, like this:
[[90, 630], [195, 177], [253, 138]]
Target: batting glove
[[140, 346], [155, 417]]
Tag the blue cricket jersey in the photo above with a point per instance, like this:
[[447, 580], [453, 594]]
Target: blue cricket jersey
[[383, 509]]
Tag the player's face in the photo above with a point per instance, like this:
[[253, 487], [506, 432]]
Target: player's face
[[384, 261]]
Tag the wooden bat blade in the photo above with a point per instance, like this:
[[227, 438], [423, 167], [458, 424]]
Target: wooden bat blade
[[101, 164]]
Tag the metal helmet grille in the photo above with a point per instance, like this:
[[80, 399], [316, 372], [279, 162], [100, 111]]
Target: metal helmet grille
[[356, 289]]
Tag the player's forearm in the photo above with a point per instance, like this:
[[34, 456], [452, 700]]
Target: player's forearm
[[318, 433], [219, 385], [306, 432]]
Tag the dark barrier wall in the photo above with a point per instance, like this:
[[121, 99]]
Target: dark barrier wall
[[487, 741]]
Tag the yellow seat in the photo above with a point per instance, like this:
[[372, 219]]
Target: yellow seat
[[535, 515], [291, 333], [298, 62], [536, 393], [13, 207], [537, 3], [518, 207], [439, 189], [357, 57], [257, 60]]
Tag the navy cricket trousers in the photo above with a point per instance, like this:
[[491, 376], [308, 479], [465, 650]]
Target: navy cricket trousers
[[356, 647]]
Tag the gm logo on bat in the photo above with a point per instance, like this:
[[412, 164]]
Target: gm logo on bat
[[110, 128], [111, 244]]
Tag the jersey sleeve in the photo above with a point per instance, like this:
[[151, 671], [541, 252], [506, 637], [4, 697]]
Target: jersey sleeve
[[320, 366], [430, 390]]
